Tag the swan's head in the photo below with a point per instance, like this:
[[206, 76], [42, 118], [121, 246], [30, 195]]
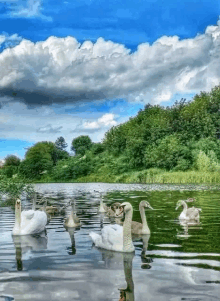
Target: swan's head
[[179, 203], [116, 207], [18, 204], [146, 204], [190, 200], [125, 207]]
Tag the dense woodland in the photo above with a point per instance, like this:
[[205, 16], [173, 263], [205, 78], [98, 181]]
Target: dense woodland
[[161, 144]]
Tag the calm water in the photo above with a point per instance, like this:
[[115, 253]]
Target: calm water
[[182, 262]]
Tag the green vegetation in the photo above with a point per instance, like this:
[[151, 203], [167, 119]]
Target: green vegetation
[[178, 144], [12, 188]]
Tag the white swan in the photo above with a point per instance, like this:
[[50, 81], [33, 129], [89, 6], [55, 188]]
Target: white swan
[[141, 228], [73, 220], [28, 222], [188, 213], [116, 237]]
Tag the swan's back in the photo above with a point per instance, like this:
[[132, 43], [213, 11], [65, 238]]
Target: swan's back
[[136, 227], [193, 213], [32, 222], [111, 238]]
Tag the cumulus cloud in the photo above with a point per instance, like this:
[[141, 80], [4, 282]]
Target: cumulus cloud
[[107, 120], [9, 41], [61, 70]]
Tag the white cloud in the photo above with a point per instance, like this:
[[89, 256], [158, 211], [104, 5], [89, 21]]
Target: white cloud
[[25, 9], [61, 70], [17, 121], [107, 120]]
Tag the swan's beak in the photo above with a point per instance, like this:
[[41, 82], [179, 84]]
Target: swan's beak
[[150, 207], [177, 207]]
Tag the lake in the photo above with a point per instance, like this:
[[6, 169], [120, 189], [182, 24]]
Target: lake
[[175, 262]]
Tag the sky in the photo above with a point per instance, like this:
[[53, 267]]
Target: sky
[[79, 67]]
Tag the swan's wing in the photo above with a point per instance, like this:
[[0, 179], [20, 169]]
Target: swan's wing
[[34, 225], [111, 238], [192, 213], [136, 227], [27, 214], [112, 234]]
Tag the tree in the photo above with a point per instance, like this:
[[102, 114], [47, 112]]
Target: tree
[[81, 144], [12, 160], [60, 143], [11, 165], [38, 159]]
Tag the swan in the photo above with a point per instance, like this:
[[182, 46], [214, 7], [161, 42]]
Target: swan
[[141, 228], [102, 207], [72, 220], [188, 213], [116, 237], [28, 221], [114, 210]]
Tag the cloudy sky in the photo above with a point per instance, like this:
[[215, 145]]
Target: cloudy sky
[[78, 67]]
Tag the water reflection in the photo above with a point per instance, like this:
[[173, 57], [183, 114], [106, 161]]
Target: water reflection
[[25, 243], [127, 293], [186, 225], [71, 250]]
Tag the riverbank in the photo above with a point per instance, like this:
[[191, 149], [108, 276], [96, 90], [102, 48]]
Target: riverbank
[[148, 176]]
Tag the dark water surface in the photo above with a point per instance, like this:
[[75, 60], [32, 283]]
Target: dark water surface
[[181, 262]]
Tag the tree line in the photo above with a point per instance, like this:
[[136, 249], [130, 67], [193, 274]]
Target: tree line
[[183, 137]]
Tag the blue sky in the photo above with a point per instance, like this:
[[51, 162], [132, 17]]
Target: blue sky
[[79, 67]]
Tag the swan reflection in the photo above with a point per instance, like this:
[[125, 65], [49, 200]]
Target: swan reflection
[[71, 250], [128, 292], [25, 243], [185, 225], [144, 258]]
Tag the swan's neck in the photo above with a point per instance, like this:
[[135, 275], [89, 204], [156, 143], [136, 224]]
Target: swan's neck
[[145, 239], [127, 239], [145, 227], [101, 208], [184, 207], [18, 216]]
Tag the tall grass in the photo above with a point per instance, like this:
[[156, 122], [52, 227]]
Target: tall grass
[[165, 177]]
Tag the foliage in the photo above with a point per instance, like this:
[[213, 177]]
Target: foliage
[[72, 168], [81, 144], [12, 189], [167, 154], [60, 143], [12, 160], [39, 159]]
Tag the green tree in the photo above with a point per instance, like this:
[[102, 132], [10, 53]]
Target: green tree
[[11, 165], [60, 143], [39, 158], [81, 144], [12, 160]]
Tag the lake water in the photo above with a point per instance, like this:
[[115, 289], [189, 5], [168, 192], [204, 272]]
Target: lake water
[[181, 262]]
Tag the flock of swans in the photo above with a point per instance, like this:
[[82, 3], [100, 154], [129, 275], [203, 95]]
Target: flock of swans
[[114, 237]]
